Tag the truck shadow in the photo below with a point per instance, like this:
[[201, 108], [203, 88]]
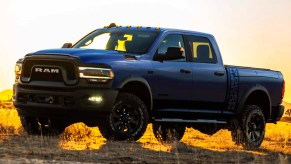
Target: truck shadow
[[146, 150], [179, 152]]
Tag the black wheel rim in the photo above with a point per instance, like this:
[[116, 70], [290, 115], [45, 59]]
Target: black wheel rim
[[126, 119], [255, 128]]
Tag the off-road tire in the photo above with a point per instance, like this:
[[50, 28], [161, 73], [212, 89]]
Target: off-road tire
[[208, 129], [128, 119], [30, 125], [46, 127], [250, 129], [168, 133]]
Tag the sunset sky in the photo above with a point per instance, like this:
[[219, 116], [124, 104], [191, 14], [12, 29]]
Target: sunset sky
[[253, 33]]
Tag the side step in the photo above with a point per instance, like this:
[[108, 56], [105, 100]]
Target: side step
[[189, 121]]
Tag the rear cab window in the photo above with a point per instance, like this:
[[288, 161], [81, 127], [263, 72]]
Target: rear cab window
[[201, 49]]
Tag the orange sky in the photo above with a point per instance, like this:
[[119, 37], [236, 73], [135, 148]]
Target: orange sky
[[249, 33]]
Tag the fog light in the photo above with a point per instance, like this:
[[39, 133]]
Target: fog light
[[97, 80], [96, 99]]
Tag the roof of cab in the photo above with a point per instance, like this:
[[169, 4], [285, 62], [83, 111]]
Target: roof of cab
[[113, 25]]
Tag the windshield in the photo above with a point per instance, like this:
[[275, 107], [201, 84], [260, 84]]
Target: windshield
[[129, 41]]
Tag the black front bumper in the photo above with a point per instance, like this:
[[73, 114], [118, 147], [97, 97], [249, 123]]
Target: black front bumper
[[61, 103]]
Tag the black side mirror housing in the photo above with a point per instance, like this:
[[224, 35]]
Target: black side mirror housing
[[159, 57], [67, 45], [173, 53]]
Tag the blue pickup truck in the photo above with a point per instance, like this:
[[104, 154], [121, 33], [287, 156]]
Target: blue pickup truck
[[121, 78]]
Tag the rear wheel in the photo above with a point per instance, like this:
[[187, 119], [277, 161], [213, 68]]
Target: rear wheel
[[166, 132], [208, 129], [250, 130], [42, 126], [128, 119]]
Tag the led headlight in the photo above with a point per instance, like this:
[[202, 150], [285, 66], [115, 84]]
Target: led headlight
[[99, 75], [18, 68], [17, 71]]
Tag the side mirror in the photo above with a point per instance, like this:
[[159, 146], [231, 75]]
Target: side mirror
[[159, 57], [67, 45], [173, 53]]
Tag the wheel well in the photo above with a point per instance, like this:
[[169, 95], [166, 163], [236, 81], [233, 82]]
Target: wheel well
[[261, 99], [140, 90]]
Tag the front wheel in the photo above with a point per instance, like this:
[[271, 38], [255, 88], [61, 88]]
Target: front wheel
[[30, 125], [250, 130], [128, 119], [166, 132], [42, 126]]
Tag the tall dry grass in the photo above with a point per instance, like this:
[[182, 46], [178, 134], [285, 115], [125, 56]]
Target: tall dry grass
[[194, 147], [9, 122], [80, 137]]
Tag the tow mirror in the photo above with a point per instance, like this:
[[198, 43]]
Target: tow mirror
[[67, 45], [173, 53]]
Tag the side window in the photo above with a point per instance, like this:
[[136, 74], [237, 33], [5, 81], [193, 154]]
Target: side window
[[172, 48], [201, 49]]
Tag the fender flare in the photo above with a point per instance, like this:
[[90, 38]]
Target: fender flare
[[247, 94], [137, 79]]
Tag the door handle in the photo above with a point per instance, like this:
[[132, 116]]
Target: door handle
[[185, 71], [219, 73]]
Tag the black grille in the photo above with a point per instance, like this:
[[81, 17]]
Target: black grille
[[66, 71]]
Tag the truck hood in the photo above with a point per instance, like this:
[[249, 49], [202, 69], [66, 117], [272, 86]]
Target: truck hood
[[88, 56]]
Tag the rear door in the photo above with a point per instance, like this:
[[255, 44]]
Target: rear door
[[209, 77]]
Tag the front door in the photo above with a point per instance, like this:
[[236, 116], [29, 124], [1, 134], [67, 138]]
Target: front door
[[173, 75]]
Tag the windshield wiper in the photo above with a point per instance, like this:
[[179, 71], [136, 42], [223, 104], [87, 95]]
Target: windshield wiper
[[121, 51]]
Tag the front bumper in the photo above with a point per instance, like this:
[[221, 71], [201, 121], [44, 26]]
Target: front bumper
[[63, 103]]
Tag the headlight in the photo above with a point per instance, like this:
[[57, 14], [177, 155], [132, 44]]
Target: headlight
[[18, 69], [99, 75]]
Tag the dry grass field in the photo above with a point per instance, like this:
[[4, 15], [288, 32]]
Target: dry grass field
[[83, 144]]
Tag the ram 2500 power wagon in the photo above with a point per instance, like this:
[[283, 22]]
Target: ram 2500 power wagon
[[123, 78]]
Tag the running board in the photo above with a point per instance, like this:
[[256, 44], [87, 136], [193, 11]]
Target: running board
[[189, 121]]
